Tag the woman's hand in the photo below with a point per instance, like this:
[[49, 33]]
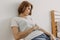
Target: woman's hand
[[52, 37], [35, 28]]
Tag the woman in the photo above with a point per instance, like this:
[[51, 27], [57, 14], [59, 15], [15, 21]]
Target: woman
[[24, 27]]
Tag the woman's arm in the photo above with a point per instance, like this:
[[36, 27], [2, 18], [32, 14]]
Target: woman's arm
[[46, 32], [51, 36], [19, 35]]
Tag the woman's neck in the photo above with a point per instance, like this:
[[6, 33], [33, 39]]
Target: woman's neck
[[21, 15]]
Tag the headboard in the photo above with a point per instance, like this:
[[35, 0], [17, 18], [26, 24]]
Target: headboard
[[55, 20]]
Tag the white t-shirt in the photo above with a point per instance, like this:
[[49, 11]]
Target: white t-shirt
[[24, 24]]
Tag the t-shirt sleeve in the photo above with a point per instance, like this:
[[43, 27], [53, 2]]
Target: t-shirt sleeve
[[14, 22]]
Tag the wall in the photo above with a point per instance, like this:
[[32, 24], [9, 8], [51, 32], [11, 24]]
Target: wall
[[41, 14]]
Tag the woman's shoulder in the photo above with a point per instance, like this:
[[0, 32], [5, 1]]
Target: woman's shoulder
[[16, 18]]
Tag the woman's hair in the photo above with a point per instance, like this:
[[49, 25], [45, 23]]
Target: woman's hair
[[22, 7]]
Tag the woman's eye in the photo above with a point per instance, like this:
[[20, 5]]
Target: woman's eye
[[29, 8]]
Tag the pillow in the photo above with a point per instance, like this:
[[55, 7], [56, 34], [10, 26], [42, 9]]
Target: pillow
[[58, 29]]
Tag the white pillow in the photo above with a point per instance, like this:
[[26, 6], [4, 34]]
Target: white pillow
[[58, 34]]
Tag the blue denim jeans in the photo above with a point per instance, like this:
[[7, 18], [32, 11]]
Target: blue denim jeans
[[42, 37]]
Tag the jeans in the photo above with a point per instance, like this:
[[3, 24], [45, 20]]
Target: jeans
[[42, 37]]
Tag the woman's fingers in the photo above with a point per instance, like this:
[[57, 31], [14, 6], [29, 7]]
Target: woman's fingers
[[53, 37], [35, 27]]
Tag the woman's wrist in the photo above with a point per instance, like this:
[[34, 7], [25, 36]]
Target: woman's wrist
[[31, 29]]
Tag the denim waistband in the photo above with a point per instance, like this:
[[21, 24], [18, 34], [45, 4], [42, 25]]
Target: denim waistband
[[42, 37]]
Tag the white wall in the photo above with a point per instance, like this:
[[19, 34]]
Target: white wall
[[41, 13]]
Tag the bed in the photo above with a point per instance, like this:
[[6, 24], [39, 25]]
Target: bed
[[55, 23]]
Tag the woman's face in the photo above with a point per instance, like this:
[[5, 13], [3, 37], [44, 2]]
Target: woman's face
[[27, 11]]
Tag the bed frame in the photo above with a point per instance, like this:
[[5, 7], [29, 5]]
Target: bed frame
[[54, 21], [53, 24]]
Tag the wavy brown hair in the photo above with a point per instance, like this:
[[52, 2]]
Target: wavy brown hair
[[22, 7]]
